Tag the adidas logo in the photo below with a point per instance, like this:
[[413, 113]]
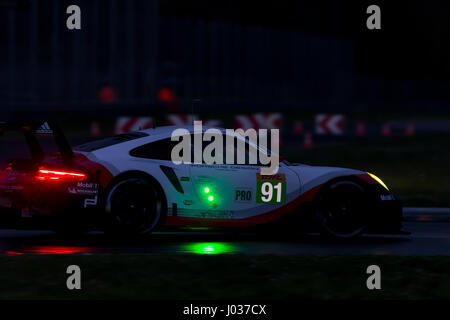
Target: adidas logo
[[44, 129]]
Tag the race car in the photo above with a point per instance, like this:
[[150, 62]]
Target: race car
[[128, 185]]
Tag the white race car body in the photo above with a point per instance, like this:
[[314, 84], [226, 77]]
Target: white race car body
[[195, 194], [234, 185]]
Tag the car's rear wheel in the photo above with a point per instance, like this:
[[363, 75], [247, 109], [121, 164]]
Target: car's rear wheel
[[133, 206], [342, 210]]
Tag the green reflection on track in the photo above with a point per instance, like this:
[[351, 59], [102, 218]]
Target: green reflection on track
[[209, 248]]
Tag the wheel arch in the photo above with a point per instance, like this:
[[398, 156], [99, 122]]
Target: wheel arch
[[352, 178], [319, 203], [138, 174]]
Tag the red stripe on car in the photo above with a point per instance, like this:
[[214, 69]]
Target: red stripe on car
[[245, 222]]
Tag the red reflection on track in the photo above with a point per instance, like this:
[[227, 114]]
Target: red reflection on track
[[13, 253], [49, 250]]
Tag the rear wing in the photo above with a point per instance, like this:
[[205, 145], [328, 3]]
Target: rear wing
[[32, 129]]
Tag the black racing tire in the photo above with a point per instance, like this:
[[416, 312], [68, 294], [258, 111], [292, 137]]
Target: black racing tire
[[134, 206], [342, 210]]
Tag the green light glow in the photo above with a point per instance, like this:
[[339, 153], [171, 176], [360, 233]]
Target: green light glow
[[206, 190], [209, 248], [210, 198], [195, 228]]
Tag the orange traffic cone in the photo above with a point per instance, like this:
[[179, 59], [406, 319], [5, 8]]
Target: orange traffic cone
[[298, 127], [95, 129], [410, 130], [307, 142], [360, 129], [386, 129]]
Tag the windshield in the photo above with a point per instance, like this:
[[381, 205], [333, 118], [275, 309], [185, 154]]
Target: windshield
[[110, 141]]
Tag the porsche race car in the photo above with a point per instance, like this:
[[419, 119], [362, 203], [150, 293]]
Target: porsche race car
[[128, 184]]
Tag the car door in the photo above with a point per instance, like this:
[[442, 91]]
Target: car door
[[155, 159], [237, 191]]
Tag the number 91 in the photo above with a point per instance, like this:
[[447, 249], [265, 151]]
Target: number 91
[[267, 191]]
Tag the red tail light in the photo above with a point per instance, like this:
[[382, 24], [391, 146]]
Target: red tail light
[[56, 175]]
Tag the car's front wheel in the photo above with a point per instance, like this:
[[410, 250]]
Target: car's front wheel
[[134, 206], [342, 210]]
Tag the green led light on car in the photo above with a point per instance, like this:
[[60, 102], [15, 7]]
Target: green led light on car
[[207, 191]]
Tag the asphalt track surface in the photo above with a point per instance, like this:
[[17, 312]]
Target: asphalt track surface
[[426, 238]]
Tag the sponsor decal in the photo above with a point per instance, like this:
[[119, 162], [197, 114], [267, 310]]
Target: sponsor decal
[[87, 185], [271, 188], [242, 195], [217, 214], [90, 202], [387, 197], [44, 129], [84, 188], [7, 187]]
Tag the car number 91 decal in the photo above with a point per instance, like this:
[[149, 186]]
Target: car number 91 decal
[[271, 189]]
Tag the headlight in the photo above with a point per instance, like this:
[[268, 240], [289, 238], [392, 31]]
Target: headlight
[[378, 180]]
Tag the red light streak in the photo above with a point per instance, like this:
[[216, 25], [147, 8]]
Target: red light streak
[[43, 250], [54, 175]]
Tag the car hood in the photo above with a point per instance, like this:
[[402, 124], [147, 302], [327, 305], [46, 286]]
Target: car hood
[[313, 176]]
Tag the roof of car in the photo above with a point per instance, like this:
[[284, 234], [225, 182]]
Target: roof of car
[[167, 130]]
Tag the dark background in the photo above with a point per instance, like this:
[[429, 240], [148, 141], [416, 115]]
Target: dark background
[[289, 56], [297, 59]]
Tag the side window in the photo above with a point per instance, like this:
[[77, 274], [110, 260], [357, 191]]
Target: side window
[[204, 144], [160, 150], [233, 148], [229, 148]]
